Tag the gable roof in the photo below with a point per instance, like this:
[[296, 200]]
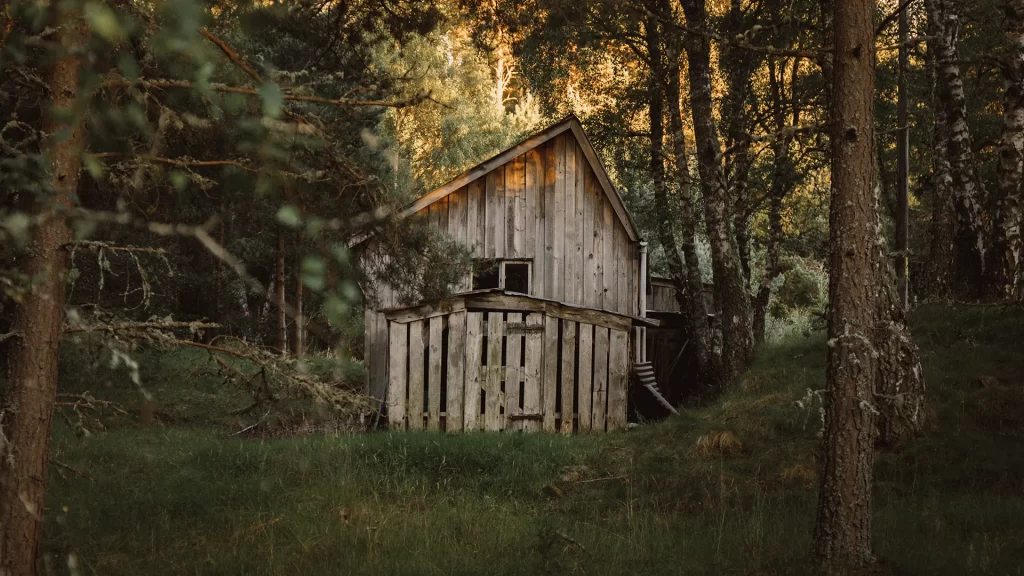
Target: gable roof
[[569, 123]]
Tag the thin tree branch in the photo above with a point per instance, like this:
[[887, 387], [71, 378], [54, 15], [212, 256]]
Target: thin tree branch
[[139, 326], [181, 162], [121, 82], [892, 17]]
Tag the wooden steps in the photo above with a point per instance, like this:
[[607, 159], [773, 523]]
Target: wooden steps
[[644, 374]]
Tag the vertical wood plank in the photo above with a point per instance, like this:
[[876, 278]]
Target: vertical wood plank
[[589, 259], [474, 382], [490, 200], [584, 397], [416, 374], [533, 357], [557, 239], [580, 194], [547, 210], [531, 222], [500, 234], [475, 218], [550, 384], [457, 228], [513, 371], [600, 401], [618, 377], [572, 245], [514, 209], [434, 382], [610, 270], [568, 374], [442, 214], [597, 225], [456, 372], [493, 419], [625, 258], [398, 365]]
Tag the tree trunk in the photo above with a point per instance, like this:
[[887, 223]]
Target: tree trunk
[[902, 165], [739, 64], [279, 299], [842, 535], [695, 313], [732, 300], [1004, 254], [966, 188], [782, 175], [39, 323], [939, 270], [300, 321]]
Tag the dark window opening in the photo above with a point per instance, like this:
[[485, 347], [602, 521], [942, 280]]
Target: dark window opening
[[517, 277], [486, 274]]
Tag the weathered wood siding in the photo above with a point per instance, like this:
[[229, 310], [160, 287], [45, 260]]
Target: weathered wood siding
[[547, 206], [506, 370]]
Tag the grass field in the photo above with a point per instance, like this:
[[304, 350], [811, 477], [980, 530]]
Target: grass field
[[185, 498]]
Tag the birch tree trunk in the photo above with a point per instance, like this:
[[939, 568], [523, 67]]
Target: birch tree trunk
[[39, 322], [1004, 253], [939, 269], [738, 64], [842, 535], [966, 188], [695, 313], [666, 236], [732, 300]]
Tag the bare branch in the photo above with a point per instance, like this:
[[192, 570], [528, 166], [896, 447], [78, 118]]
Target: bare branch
[[128, 326], [121, 82]]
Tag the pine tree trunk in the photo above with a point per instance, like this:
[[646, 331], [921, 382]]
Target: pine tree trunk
[[842, 535], [39, 323], [732, 300], [696, 314], [966, 188], [279, 298], [939, 270], [1004, 254]]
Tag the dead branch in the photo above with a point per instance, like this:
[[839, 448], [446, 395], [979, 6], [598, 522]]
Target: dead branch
[[231, 54], [128, 326], [180, 162], [71, 469], [892, 17], [98, 245], [121, 82]]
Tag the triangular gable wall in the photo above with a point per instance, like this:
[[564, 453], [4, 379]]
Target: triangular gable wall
[[569, 124]]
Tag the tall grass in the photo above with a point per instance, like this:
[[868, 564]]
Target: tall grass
[[180, 500]]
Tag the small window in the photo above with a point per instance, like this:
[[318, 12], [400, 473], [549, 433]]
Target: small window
[[486, 274], [517, 277], [511, 275]]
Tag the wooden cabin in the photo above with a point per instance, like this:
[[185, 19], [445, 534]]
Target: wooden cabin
[[546, 328]]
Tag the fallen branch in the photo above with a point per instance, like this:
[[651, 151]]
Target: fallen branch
[[71, 469]]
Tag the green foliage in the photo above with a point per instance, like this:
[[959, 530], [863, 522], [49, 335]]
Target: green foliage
[[174, 500]]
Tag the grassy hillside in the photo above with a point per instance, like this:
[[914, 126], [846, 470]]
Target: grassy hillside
[[728, 488]]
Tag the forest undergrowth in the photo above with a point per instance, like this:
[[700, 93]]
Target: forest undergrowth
[[726, 488]]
